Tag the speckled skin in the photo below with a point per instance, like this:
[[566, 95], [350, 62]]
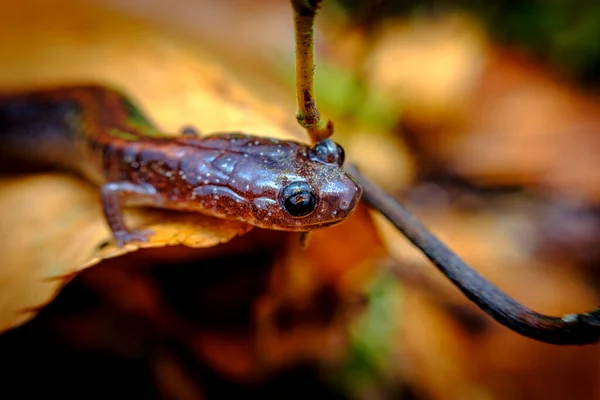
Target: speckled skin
[[100, 134]]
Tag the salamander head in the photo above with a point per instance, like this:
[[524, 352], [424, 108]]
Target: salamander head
[[268, 183], [316, 193]]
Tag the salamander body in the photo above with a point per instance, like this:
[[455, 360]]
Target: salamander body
[[101, 135]]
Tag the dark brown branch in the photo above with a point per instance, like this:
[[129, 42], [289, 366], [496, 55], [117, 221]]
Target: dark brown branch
[[571, 329], [307, 113]]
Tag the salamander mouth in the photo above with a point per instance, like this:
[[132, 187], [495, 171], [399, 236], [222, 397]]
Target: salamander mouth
[[315, 225]]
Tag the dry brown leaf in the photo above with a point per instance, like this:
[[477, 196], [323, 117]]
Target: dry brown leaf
[[52, 222], [477, 357], [527, 126], [429, 66], [311, 298], [486, 113]]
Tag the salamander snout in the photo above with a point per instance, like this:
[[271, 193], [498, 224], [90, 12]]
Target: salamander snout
[[321, 203], [340, 197], [317, 193], [349, 198]]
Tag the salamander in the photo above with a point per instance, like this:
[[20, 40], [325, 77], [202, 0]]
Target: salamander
[[103, 136]]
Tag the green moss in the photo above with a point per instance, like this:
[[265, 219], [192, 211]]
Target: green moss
[[373, 337], [341, 95], [124, 135], [139, 122]]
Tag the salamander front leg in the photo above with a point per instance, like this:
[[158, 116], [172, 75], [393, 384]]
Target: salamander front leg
[[114, 196]]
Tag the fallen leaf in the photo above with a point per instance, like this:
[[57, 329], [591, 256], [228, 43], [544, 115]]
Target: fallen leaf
[[488, 114]]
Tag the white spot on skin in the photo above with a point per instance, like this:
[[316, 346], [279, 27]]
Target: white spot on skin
[[206, 181], [245, 155], [256, 142], [569, 318], [218, 181], [208, 174], [261, 154], [247, 187]]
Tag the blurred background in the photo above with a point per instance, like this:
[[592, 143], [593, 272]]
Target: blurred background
[[483, 119]]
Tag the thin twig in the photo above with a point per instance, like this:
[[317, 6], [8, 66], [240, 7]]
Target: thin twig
[[570, 329], [307, 113]]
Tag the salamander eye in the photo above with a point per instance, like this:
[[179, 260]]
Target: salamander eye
[[329, 152], [341, 155], [298, 199]]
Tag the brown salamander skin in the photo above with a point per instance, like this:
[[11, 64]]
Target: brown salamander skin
[[100, 134]]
